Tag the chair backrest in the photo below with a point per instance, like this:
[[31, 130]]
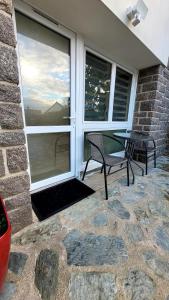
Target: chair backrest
[[96, 139]]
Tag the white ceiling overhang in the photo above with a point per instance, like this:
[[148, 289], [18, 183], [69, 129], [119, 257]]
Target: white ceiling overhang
[[101, 30]]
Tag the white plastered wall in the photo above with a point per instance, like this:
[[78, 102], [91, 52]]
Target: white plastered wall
[[153, 31]]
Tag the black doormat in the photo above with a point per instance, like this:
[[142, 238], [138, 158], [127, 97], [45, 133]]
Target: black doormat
[[52, 200]]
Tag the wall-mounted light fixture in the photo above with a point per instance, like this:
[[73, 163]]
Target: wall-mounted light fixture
[[137, 13]]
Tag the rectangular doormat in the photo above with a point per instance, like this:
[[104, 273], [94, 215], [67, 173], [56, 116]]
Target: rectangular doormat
[[54, 199]]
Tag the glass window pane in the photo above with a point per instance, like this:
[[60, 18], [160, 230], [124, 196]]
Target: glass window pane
[[45, 71], [110, 145], [97, 88], [49, 154], [122, 95]]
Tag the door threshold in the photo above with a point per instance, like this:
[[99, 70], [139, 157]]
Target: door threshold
[[52, 184]]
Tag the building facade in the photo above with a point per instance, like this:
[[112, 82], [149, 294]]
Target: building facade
[[63, 75]]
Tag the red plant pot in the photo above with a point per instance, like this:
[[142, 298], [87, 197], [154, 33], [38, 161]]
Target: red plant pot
[[5, 242]]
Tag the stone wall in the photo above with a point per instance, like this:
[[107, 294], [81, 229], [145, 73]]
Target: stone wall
[[14, 179], [152, 105]]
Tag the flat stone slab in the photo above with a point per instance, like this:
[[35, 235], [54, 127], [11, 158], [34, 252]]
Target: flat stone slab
[[90, 250], [142, 216], [46, 274], [133, 197], [8, 291], [159, 208], [162, 237], [92, 286], [100, 220], [82, 210], [38, 231], [17, 262], [118, 209], [134, 233], [158, 264], [139, 286]]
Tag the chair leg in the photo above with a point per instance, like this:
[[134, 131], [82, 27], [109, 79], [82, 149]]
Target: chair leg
[[138, 166], [105, 181], [132, 171], [155, 159], [146, 164], [84, 173], [128, 178], [109, 170]]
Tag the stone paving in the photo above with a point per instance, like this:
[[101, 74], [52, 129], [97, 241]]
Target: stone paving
[[97, 249]]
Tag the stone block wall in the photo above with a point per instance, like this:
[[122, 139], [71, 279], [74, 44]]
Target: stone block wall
[[14, 179], [152, 105]]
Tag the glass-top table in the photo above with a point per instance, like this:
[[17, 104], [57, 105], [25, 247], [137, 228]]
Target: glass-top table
[[132, 138]]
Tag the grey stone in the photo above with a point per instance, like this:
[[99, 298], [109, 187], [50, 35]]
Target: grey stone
[[17, 261], [115, 191], [16, 159], [92, 286], [8, 292], [12, 138], [154, 70], [9, 93], [7, 35], [133, 197], [134, 232], [8, 65], [118, 209], [11, 116], [167, 297], [162, 237], [2, 167], [139, 286], [12, 186], [152, 86], [100, 220], [158, 264], [159, 208], [17, 201], [142, 216], [90, 250], [46, 274], [37, 232], [6, 5], [83, 210], [20, 217]]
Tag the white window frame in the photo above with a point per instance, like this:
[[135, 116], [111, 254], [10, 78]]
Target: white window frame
[[109, 125], [29, 12], [79, 95]]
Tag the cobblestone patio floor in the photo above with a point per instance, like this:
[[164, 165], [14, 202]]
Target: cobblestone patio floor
[[98, 249]]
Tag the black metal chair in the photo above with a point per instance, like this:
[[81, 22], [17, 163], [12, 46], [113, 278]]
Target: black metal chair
[[98, 154], [146, 149]]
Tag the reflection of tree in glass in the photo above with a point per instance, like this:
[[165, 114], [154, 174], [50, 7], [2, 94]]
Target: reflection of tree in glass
[[98, 74], [55, 115]]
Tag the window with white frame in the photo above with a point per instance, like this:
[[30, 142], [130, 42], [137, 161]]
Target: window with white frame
[[108, 90], [122, 94], [98, 82], [97, 88]]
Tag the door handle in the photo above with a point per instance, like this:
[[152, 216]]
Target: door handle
[[71, 118]]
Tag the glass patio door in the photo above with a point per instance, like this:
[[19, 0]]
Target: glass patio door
[[47, 79]]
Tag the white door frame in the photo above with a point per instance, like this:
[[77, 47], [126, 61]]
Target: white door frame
[[29, 12], [78, 58]]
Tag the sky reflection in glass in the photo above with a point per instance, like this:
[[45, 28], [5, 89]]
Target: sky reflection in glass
[[45, 72]]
